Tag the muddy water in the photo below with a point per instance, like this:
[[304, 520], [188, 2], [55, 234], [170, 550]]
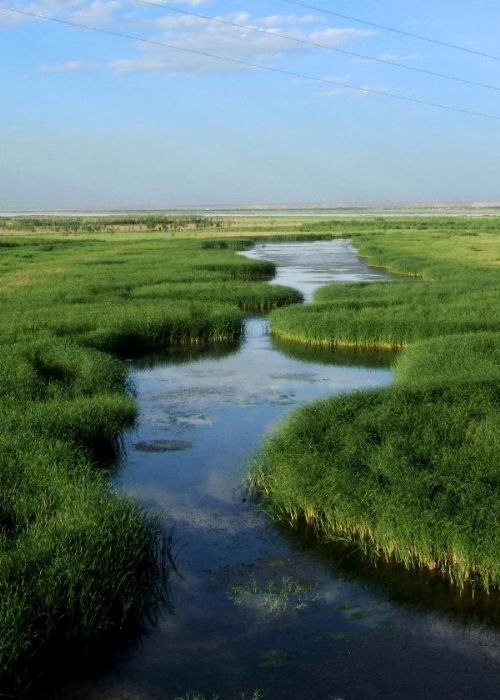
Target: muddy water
[[255, 607]]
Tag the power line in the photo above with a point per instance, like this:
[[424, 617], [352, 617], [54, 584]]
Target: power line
[[249, 64], [394, 30], [317, 45]]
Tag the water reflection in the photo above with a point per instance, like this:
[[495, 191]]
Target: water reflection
[[255, 606], [312, 264], [343, 357], [183, 355]]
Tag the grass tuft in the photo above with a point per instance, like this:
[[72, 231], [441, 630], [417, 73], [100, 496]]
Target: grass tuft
[[410, 473], [79, 563]]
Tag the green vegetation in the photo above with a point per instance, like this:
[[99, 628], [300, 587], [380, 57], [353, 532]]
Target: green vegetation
[[454, 358], [390, 316], [79, 563], [67, 225], [256, 695], [277, 598], [410, 473], [131, 297], [447, 278]]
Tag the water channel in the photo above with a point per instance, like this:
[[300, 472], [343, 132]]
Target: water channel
[[254, 606]]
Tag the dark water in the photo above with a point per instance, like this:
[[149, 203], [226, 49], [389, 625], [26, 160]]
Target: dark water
[[256, 607]]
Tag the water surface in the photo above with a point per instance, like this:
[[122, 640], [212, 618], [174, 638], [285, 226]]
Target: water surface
[[312, 264], [254, 606]]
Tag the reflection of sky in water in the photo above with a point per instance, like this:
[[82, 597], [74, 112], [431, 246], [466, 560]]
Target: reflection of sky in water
[[310, 265], [223, 407], [351, 639]]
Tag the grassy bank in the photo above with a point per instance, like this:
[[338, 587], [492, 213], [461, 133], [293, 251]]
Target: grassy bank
[[410, 473], [79, 563], [448, 284]]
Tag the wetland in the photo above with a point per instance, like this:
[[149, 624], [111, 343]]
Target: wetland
[[255, 606], [140, 382]]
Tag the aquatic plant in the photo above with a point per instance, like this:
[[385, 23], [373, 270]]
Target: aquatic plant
[[256, 695], [414, 467], [275, 597], [410, 473], [79, 563]]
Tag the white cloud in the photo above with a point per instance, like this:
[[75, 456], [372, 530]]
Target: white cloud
[[336, 37], [195, 35], [364, 90], [273, 20], [68, 67], [98, 12], [95, 12], [240, 44]]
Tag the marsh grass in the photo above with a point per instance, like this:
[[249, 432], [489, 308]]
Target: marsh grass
[[393, 315], [449, 286], [67, 225], [410, 473], [452, 358], [79, 563], [274, 597], [256, 695]]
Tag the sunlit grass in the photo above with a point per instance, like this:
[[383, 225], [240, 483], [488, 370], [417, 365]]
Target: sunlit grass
[[80, 564], [410, 473], [407, 474]]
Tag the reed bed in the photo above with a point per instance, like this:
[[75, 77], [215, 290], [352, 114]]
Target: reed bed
[[67, 225], [79, 563], [394, 315], [410, 473]]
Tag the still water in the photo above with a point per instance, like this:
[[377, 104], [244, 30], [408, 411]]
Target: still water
[[255, 607], [308, 266]]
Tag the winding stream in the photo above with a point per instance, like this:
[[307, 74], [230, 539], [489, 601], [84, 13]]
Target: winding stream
[[253, 606]]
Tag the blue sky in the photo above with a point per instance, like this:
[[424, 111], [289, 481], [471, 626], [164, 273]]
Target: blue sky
[[90, 120]]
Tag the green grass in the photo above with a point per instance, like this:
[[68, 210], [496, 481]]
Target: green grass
[[451, 359], [127, 298], [450, 284], [79, 563], [256, 695], [410, 473], [274, 597], [68, 225], [46, 368], [393, 315]]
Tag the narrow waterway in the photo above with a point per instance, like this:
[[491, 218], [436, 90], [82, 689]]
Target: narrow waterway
[[255, 607]]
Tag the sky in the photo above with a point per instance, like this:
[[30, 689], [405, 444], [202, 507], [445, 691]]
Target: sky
[[91, 120]]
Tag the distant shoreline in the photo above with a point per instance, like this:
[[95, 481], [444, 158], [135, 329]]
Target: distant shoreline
[[480, 209]]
